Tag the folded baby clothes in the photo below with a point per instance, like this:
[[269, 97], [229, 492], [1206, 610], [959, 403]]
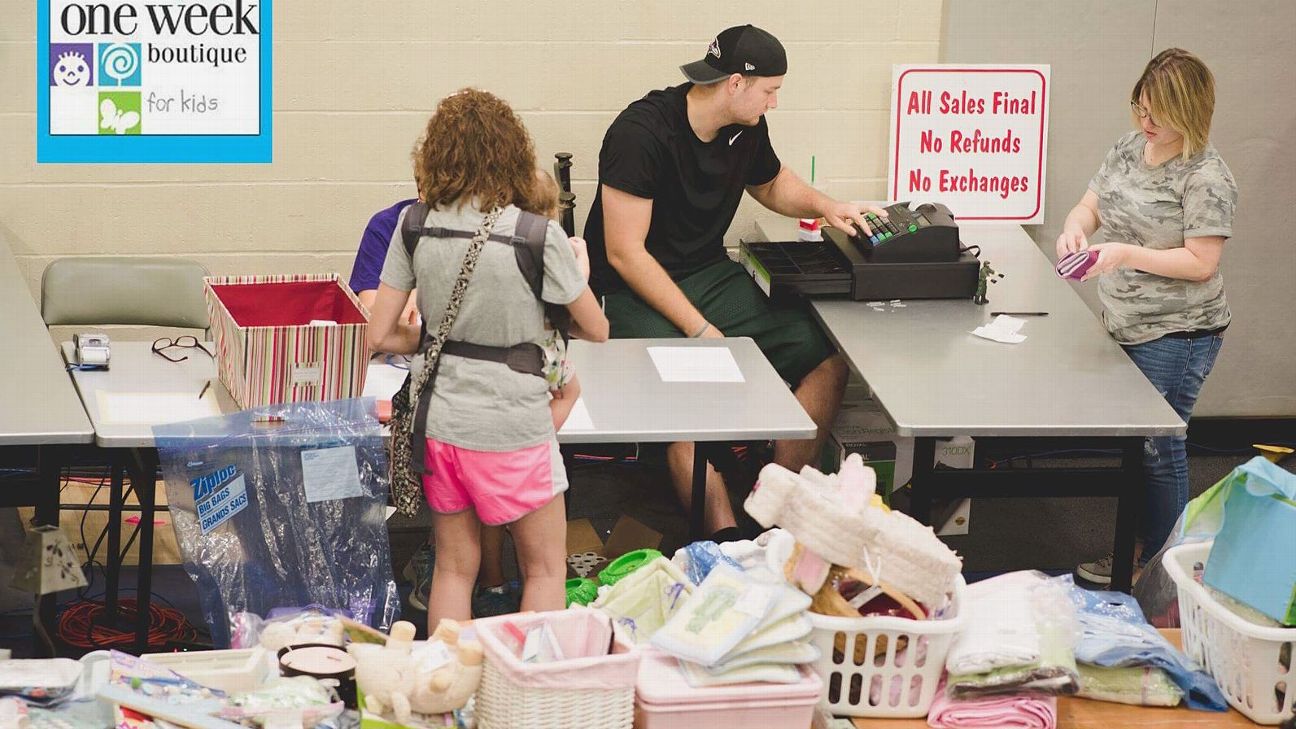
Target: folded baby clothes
[[999, 627], [722, 612], [1137, 685], [1114, 634], [644, 600], [834, 517], [1000, 712]]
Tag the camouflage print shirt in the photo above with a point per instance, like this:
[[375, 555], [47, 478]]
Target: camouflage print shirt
[[1158, 207]]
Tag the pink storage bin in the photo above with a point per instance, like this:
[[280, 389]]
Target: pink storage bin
[[665, 700]]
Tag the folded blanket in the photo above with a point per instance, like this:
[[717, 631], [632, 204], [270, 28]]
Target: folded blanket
[[1116, 635], [1139, 686], [999, 627], [1001, 712], [1055, 670]]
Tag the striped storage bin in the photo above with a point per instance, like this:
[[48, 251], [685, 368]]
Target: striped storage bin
[[267, 351]]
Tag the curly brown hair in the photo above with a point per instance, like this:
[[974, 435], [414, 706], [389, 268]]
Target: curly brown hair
[[476, 146]]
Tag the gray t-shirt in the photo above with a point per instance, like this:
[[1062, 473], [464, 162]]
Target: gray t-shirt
[[1158, 207], [479, 405]]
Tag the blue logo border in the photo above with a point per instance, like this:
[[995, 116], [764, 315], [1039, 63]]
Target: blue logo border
[[174, 149]]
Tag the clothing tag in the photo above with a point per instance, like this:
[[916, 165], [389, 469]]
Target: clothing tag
[[330, 473], [433, 656]]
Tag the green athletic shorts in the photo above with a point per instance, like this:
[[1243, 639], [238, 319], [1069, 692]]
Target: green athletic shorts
[[784, 330]]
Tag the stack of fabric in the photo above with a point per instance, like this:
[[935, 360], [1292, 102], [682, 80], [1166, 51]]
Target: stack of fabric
[[736, 629], [1123, 659], [1013, 658]]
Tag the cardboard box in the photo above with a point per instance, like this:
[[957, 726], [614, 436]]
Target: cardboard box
[[269, 352], [165, 548], [861, 427], [587, 554]]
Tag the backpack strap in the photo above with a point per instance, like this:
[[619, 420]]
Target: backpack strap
[[530, 232], [412, 227]]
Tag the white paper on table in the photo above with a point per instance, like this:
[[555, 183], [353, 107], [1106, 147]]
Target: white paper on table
[[696, 364], [1003, 329], [155, 408], [579, 419], [383, 380], [330, 473]]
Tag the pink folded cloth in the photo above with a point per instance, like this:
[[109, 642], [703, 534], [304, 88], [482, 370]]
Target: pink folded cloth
[[1025, 711]]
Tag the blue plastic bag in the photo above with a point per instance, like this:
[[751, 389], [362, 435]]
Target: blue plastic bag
[[282, 506]]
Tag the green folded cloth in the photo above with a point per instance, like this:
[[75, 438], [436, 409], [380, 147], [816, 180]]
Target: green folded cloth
[[1137, 685]]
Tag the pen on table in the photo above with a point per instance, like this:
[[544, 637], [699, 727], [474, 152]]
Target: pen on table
[[1019, 313], [204, 390]]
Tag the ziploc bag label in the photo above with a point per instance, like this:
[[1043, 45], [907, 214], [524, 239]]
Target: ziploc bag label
[[218, 504]]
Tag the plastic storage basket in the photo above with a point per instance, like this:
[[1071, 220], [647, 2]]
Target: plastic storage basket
[[593, 690], [861, 679], [1253, 665]]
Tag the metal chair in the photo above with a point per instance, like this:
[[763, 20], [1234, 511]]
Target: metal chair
[[162, 292]]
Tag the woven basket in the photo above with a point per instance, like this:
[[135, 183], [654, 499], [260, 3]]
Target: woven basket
[[592, 690], [502, 704]]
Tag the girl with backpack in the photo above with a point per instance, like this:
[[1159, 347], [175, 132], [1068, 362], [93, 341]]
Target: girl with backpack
[[477, 420]]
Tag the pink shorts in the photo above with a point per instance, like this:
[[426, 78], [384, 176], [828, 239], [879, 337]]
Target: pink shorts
[[501, 486]]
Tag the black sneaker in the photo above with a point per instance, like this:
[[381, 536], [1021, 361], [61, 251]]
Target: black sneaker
[[499, 600], [1097, 573], [418, 571]]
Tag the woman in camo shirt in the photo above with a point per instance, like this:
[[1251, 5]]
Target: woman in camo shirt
[[1165, 200]]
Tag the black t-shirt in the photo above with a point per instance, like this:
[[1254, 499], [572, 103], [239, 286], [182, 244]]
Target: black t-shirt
[[651, 151]]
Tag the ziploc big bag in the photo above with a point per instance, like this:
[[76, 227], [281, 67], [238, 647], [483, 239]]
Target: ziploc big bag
[[1253, 559], [282, 506]]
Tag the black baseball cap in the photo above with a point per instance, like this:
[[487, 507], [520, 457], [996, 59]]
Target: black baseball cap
[[743, 49]]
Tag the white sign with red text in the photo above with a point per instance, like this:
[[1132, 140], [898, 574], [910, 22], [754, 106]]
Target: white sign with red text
[[971, 136]]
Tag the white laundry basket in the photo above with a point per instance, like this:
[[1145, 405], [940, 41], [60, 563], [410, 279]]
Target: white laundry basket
[[893, 684], [1255, 666]]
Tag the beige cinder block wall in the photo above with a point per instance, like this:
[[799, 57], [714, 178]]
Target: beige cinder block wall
[[355, 82]]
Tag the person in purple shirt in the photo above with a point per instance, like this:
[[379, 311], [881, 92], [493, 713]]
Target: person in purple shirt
[[495, 595], [373, 251]]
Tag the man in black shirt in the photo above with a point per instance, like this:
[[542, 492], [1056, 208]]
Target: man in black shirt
[[672, 170]]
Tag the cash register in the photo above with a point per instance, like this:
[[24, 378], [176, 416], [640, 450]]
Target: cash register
[[914, 253]]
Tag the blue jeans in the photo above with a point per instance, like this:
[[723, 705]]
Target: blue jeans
[[1176, 368]]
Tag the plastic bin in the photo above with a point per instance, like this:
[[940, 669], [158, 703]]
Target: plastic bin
[[1254, 665], [667, 701], [893, 684], [232, 671], [592, 690]]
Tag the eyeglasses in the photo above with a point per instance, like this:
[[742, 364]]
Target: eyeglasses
[[185, 342], [1142, 113]]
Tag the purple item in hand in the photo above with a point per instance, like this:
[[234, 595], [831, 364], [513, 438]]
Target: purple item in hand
[[1075, 265]]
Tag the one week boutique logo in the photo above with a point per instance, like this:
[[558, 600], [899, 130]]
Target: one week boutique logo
[[154, 81]]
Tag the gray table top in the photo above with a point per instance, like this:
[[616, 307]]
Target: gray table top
[[38, 405], [623, 394], [628, 402], [934, 378]]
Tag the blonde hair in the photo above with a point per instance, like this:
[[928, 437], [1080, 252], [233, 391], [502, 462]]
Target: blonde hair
[[1180, 95]]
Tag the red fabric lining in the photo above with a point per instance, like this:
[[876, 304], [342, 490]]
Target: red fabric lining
[[287, 304]]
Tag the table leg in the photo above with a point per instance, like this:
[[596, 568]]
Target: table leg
[[920, 499], [144, 479], [49, 469], [112, 573], [1127, 510], [697, 510]]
